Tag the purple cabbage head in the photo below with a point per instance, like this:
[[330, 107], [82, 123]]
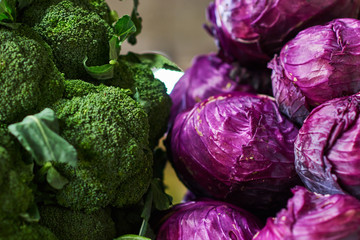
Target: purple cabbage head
[[207, 220], [208, 75], [327, 149], [313, 216], [236, 147], [319, 64], [251, 31]]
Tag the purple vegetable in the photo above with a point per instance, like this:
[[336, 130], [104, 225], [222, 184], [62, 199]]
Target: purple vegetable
[[327, 149], [252, 31], [314, 216], [208, 76], [319, 64], [236, 147], [208, 220]]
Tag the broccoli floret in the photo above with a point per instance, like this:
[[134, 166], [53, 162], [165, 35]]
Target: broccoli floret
[[15, 176], [147, 90], [76, 225], [73, 30], [110, 133], [31, 232], [29, 80]]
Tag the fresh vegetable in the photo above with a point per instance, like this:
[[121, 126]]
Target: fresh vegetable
[[73, 30], [30, 80], [314, 216], [327, 151], [252, 31], [208, 219], [236, 147], [319, 64]]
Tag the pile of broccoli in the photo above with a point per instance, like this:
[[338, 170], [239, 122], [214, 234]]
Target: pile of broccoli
[[114, 123]]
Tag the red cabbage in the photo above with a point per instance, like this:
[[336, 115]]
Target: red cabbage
[[313, 216], [319, 64], [252, 31], [327, 149], [236, 147], [207, 220]]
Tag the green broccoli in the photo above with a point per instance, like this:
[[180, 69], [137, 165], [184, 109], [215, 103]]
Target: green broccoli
[[110, 133], [31, 232], [29, 80], [16, 195], [147, 90], [74, 30], [75, 225]]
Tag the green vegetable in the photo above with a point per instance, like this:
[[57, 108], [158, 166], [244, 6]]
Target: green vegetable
[[73, 30], [29, 79], [110, 132], [76, 225]]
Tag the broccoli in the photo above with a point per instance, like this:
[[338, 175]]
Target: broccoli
[[147, 90], [31, 232], [29, 80], [75, 225], [110, 133], [74, 30], [16, 195], [15, 176]]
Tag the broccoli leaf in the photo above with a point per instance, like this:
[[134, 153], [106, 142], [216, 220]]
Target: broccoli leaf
[[157, 197], [101, 72], [55, 179], [156, 61], [7, 13], [32, 214], [132, 237], [38, 134], [161, 200], [135, 17], [124, 27]]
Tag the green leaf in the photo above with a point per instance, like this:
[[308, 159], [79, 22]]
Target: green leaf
[[32, 214], [114, 48], [102, 72], [38, 134], [146, 212], [124, 27], [161, 200], [55, 179], [135, 17], [157, 61], [7, 12], [131, 237]]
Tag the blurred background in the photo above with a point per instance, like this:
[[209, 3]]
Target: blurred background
[[175, 29]]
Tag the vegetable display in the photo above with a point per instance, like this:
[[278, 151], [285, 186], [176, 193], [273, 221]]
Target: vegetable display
[[236, 147], [314, 216], [268, 149], [319, 64], [208, 219]]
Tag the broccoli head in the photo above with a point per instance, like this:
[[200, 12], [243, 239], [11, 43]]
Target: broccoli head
[[31, 232], [15, 176], [147, 90], [29, 80], [74, 30], [110, 133], [75, 225]]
